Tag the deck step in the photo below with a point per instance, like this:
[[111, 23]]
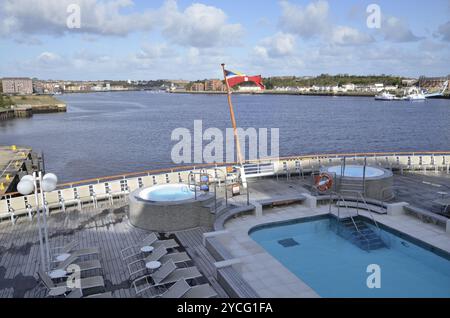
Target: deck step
[[362, 206]]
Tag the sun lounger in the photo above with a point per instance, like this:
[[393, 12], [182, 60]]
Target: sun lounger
[[139, 265], [84, 266], [75, 293], [78, 253], [163, 272], [180, 273], [200, 291], [168, 273], [149, 240], [177, 290], [103, 295], [85, 283], [177, 258], [65, 249]]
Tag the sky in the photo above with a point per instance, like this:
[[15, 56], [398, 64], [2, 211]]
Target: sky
[[170, 39]]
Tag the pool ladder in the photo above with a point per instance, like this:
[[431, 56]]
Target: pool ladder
[[355, 230]]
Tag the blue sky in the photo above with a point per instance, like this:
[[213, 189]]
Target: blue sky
[[126, 39]]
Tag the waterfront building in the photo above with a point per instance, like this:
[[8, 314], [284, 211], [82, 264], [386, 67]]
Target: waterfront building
[[198, 87], [432, 83], [214, 85], [17, 85]]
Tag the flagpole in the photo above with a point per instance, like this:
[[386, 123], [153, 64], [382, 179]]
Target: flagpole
[[233, 119]]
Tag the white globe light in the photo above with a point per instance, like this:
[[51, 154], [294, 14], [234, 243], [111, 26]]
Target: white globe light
[[51, 177], [27, 178], [48, 185], [25, 187]]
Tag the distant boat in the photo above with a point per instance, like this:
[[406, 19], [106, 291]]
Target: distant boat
[[385, 97], [416, 97]]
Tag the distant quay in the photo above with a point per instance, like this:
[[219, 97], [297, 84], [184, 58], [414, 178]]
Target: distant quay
[[276, 92], [26, 106]]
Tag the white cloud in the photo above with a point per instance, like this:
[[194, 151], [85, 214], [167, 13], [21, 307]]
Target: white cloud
[[50, 17], [155, 51], [396, 30], [444, 31], [279, 45], [200, 26], [306, 21], [313, 21], [342, 35], [48, 58]]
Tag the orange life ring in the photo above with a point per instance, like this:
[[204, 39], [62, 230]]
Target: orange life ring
[[323, 182]]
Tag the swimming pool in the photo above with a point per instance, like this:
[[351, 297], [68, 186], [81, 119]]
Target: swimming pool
[[334, 267], [167, 193]]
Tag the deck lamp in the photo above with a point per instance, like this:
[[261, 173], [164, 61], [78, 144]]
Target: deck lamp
[[29, 184]]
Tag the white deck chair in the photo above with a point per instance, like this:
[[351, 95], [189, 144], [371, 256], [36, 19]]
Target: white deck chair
[[68, 198], [115, 190], [18, 207], [52, 200], [4, 211], [133, 184], [84, 195], [31, 202], [100, 193], [147, 181]]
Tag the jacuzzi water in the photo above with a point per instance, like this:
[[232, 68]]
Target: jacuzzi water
[[356, 171], [167, 193], [334, 267]]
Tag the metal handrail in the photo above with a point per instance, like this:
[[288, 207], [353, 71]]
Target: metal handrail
[[224, 164], [340, 197], [360, 195]]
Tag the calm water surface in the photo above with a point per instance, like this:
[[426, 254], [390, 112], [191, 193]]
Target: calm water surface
[[111, 133]]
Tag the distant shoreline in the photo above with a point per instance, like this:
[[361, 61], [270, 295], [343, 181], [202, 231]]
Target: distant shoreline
[[272, 92]]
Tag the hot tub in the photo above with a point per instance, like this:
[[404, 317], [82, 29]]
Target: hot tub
[[170, 208], [378, 181], [167, 193]]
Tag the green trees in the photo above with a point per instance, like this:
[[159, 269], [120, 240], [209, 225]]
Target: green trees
[[331, 80]]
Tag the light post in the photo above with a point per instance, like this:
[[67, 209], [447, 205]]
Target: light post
[[39, 184]]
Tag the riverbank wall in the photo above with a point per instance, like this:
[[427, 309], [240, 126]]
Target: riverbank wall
[[26, 106]]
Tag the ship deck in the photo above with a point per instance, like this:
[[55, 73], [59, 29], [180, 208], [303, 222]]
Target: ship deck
[[108, 229]]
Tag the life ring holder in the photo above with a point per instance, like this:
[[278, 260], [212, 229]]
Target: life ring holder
[[323, 182]]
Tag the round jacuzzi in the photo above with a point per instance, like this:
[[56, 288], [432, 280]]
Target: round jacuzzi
[[378, 181], [170, 208], [167, 193]]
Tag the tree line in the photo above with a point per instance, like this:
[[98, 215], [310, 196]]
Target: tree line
[[331, 80]]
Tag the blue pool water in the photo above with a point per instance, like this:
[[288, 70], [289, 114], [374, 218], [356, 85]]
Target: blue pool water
[[167, 193], [334, 267]]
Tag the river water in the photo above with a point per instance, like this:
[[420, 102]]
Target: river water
[[111, 133]]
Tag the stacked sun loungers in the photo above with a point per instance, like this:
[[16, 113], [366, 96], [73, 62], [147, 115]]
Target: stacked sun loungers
[[150, 240], [171, 279], [70, 276]]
